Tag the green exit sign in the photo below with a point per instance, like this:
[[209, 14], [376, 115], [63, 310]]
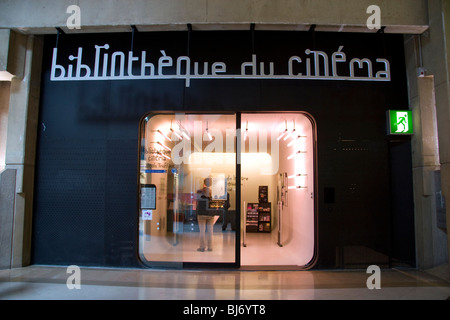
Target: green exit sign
[[400, 122]]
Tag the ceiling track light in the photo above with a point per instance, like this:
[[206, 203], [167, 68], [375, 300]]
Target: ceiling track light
[[246, 132], [291, 134], [164, 146], [294, 154], [298, 175], [293, 141], [284, 133], [162, 154], [185, 135], [162, 133], [208, 133], [175, 133], [297, 187], [183, 131]]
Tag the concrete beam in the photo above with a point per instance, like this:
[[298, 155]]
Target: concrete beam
[[12, 53], [41, 17], [5, 75]]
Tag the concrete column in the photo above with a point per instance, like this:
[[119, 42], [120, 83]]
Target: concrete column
[[443, 113], [7, 200], [432, 52], [21, 140], [431, 241], [5, 87]]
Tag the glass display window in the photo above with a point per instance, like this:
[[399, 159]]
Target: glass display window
[[235, 189]]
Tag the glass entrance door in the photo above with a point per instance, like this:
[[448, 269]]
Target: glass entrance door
[[228, 189], [278, 190], [187, 210]]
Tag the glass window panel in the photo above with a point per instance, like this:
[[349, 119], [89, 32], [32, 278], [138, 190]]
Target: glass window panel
[[187, 211], [278, 189]]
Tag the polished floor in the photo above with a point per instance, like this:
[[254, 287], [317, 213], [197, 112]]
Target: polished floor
[[261, 248], [50, 283]]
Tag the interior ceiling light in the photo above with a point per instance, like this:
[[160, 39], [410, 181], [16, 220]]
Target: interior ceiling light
[[165, 136], [297, 187], [294, 154], [246, 132], [162, 154], [207, 132], [185, 135], [164, 146], [284, 133], [298, 175], [183, 131], [293, 141], [291, 134], [175, 133]]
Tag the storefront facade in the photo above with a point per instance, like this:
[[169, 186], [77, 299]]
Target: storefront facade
[[215, 145], [107, 145]]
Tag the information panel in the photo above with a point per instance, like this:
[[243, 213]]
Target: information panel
[[148, 196]]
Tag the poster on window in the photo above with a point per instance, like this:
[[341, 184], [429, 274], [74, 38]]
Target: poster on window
[[147, 214], [148, 196], [219, 187]]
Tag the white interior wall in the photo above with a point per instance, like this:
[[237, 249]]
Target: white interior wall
[[297, 229]]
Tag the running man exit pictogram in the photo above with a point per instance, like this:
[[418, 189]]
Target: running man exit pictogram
[[400, 122]]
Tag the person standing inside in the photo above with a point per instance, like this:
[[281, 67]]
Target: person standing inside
[[204, 219]]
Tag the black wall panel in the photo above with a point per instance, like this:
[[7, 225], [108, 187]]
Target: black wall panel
[[85, 209]]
